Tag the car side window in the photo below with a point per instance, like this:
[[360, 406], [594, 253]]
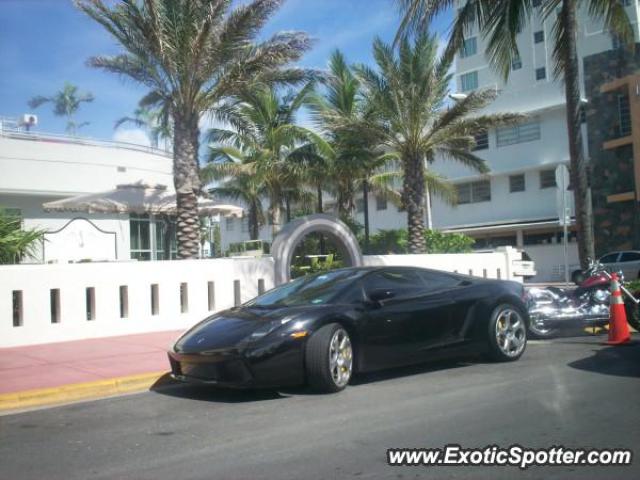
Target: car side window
[[436, 281], [630, 257], [406, 283], [610, 258]]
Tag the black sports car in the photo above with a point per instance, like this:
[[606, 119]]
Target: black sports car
[[322, 328]]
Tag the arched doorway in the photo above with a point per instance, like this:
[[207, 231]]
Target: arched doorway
[[294, 232]]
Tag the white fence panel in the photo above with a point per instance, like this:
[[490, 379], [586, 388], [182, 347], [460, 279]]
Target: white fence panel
[[27, 310]]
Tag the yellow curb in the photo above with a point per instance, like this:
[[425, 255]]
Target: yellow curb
[[78, 391]]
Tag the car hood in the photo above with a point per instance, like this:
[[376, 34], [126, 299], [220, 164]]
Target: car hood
[[233, 328]]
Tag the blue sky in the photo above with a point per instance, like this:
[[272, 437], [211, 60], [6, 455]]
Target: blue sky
[[44, 43]]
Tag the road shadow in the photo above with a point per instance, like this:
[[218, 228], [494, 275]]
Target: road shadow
[[620, 361], [165, 385], [208, 393]]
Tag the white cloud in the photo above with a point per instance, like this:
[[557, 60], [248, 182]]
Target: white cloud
[[132, 135]]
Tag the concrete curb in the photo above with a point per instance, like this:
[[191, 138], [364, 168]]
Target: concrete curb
[[78, 391]]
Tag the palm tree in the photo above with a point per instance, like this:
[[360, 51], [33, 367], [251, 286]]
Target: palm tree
[[66, 103], [247, 189], [155, 123], [263, 140], [353, 164], [500, 21], [406, 97], [17, 243], [191, 55]]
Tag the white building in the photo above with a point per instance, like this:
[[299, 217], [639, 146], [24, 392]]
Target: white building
[[36, 168], [517, 203]]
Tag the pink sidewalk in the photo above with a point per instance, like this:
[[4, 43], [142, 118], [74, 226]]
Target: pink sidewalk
[[57, 364]]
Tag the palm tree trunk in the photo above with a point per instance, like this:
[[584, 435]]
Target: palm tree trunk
[[187, 184], [254, 227], [365, 202], [287, 204], [578, 166], [413, 199], [319, 193]]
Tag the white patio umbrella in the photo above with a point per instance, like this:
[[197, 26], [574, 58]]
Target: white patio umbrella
[[137, 198]]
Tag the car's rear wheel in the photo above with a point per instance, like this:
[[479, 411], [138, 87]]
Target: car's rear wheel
[[507, 333], [329, 359], [633, 313], [538, 330]]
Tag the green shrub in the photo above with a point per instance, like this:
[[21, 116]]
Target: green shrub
[[386, 242], [16, 243]]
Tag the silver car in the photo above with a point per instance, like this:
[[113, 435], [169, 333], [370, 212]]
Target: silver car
[[627, 261]]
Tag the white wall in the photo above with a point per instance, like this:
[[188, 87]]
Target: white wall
[[36, 281], [549, 260], [65, 168], [35, 217], [487, 265]]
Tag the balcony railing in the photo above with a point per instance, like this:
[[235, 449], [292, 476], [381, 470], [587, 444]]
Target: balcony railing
[[9, 130]]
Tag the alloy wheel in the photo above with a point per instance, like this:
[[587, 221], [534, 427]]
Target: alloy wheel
[[511, 335], [340, 358]]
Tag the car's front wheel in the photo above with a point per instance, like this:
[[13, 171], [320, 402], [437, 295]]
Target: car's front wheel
[[507, 333], [329, 359]]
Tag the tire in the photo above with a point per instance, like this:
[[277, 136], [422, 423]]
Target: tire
[[329, 372], [577, 277], [507, 333], [633, 314]]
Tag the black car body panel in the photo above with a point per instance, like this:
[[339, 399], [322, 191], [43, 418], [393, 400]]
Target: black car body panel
[[264, 345]]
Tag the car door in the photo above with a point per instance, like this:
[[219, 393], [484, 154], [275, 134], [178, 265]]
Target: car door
[[401, 328], [610, 261], [629, 263]]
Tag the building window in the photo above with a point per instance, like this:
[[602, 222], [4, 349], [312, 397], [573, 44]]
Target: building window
[[166, 231], [541, 73], [140, 236], [538, 37], [244, 225], [360, 205], [381, 202], [624, 115], [516, 183], [469, 47], [474, 192], [516, 63], [548, 178], [482, 141], [469, 81], [229, 221], [524, 132]]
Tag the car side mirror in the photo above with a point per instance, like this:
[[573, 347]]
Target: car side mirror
[[380, 295]]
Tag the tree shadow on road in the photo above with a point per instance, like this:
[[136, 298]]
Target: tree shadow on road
[[621, 361]]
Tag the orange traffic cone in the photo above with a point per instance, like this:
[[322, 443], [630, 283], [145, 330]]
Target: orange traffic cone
[[618, 327]]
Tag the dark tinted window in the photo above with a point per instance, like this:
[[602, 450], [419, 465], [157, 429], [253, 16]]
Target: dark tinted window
[[611, 258], [630, 257], [436, 281], [406, 283], [310, 290]]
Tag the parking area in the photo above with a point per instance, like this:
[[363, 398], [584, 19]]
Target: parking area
[[571, 392]]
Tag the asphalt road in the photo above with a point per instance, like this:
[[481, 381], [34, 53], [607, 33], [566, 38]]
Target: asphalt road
[[573, 392]]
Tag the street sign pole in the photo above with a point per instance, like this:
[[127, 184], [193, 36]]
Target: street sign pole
[[564, 214]]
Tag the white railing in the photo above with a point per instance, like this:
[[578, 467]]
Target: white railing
[[60, 138], [61, 302]]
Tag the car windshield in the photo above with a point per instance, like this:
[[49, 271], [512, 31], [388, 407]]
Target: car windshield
[[317, 289]]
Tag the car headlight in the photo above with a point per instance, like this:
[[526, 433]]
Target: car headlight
[[267, 328]]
